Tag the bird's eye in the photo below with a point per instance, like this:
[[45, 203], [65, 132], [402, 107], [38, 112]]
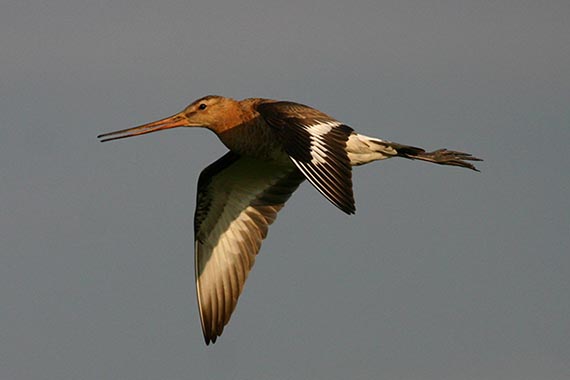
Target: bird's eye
[[202, 106]]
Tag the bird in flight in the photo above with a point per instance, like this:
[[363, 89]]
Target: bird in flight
[[273, 147]]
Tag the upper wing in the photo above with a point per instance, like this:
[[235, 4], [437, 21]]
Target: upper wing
[[316, 143], [238, 198]]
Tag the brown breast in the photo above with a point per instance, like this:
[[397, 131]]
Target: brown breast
[[253, 137]]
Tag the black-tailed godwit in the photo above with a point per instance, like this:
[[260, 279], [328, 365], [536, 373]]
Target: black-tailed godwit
[[273, 147]]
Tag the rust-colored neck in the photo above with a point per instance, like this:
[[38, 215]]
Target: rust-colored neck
[[244, 131], [234, 114]]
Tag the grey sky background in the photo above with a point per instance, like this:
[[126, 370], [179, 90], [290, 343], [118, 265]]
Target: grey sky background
[[442, 273]]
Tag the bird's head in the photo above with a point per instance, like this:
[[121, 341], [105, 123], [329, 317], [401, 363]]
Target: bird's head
[[213, 112]]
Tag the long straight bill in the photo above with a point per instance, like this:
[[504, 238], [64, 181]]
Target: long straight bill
[[174, 121]]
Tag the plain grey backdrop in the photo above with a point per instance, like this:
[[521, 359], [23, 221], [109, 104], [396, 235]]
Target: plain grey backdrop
[[443, 273]]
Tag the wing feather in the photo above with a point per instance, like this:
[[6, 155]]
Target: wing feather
[[238, 198], [316, 143]]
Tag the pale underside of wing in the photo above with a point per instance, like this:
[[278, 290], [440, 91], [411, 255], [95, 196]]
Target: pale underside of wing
[[238, 198], [316, 143]]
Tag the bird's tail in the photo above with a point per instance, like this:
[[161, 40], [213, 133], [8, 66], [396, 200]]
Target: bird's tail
[[381, 149]]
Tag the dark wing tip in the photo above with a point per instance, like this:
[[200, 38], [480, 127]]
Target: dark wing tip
[[346, 205], [210, 331], [351, 210], [210, 339]]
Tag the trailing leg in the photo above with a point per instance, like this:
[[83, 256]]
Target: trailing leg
[[363, 149]]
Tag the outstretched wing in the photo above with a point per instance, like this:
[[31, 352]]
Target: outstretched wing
[[238, 198], [316, 143]]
